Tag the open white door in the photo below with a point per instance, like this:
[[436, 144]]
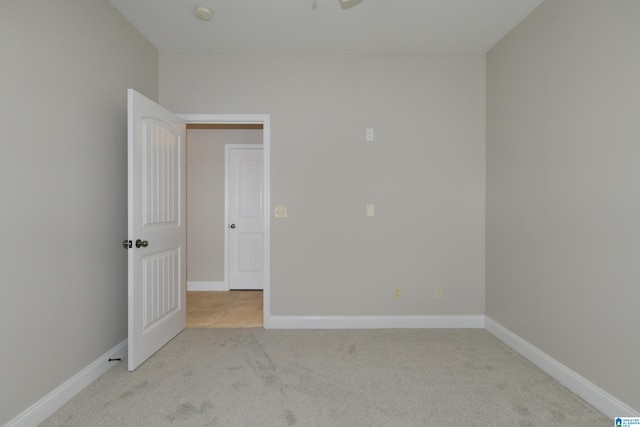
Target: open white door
[[245, 211], [157, 232]]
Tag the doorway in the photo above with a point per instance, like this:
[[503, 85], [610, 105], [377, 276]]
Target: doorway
[[211, 302]]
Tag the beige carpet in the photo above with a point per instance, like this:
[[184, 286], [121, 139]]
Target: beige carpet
[[256, 377]]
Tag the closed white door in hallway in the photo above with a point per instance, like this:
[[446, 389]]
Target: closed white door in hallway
[[245, 214]]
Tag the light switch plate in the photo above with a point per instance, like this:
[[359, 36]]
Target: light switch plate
[[281, 212], [370, 210]]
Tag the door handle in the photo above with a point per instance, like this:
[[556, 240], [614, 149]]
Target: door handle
[[141, 243], [232, 226]]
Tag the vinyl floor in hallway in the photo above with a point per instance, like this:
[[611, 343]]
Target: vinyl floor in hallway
[[229, 309]]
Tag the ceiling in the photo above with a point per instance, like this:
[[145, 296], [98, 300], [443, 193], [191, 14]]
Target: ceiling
[[323, 26]]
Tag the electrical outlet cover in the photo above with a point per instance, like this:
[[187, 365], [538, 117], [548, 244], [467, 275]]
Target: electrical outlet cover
[[369, 134], [281, 211]]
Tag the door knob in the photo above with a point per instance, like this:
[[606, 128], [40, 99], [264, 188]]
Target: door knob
[[141, 243], [232, 226]]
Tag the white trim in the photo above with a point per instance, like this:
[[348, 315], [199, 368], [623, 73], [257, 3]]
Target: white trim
[[265, 120], [584, 388], [226, 218], [207, 286], [266, 154], [375, 322], [247, 119], [49, 404]]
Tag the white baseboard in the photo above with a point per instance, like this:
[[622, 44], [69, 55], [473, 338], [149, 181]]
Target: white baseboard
[[590, 392], [207, 286], [48, 405], [374, 322]]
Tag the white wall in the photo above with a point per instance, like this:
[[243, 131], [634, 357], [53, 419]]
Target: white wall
[[563, 187], [205, 199], [425, 173], [63, 282]]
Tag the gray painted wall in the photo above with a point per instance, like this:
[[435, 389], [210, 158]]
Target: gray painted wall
[[425, 173], [63, 282], [205, 199], [563, 187], [562, 184]]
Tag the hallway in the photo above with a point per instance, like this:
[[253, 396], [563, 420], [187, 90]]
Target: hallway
[[227, 309]]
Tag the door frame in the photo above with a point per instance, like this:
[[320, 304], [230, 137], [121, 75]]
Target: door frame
[[227, 237], [251, 119]]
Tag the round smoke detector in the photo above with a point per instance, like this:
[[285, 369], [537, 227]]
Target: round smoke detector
[[204, 13]]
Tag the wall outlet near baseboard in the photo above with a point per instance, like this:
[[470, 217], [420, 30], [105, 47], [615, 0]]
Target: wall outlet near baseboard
[[437, 292], [396, 293]]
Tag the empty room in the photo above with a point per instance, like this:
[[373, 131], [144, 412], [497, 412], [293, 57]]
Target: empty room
[[449, 213]]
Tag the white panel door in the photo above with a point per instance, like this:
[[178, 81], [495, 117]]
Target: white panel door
[[156, 209], [245, 205]]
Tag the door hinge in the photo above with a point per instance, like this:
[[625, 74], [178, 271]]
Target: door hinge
[[127, 244]]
